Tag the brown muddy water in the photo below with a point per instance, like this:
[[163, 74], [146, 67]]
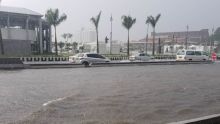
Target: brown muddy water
[[111, 95]]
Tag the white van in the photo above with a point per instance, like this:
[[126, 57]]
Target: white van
[[191, 55]]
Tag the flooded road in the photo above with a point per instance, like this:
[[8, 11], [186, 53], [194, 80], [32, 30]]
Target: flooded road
[[130, 95]]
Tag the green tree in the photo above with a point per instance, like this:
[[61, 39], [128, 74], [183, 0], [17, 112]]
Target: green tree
[[75, 45], [128, 22], [216, 36], [82, 48], [67, 36], [95, 21], [153, 22], [53, 18], [68, 45], [61, 45]]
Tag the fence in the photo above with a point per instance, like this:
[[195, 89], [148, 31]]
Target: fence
[[44, 59]]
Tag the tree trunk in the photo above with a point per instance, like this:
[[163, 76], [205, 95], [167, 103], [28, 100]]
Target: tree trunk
[[153, 51], [146, 43], [56, 50], [1, 43], [97, 34], [159, 47], [128, 49]]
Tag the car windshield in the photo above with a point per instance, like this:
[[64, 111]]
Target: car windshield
[[182, 52]]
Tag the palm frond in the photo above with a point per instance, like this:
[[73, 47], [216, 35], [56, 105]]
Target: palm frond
[[128, 21], [53, 18], [157, 18], [61, 19], [95, 20]]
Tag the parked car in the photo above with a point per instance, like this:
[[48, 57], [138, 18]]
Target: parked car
[[141, 57], [191, 55], [88, 58]]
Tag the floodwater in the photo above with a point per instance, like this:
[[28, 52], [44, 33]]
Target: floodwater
[[110, 95]]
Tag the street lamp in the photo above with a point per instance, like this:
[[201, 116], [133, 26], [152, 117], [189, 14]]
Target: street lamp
[[187, 35], [147, 37], [111, 20], [212, 41]]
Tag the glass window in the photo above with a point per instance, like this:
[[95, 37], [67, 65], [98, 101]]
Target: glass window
[[198, 53], [142, 54], [182, 52], [190, 53], [100, 56], [91, 55], [205, 53], [95, 56]]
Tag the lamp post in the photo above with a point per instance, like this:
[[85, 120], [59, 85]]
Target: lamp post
[[147, 37], [212, 41], [111, 20], [187, 35]]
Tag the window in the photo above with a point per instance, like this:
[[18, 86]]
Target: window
[[142, 54], [95, 56], [91, 55], [182, 52], [198, 53], [205, 53], [190, 53]]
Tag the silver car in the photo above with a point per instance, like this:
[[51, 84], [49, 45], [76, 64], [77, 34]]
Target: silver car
[[140, 57], [88, 58]]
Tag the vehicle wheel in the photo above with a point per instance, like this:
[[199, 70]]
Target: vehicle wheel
[[86, 64], [190, 59], [204, 59]]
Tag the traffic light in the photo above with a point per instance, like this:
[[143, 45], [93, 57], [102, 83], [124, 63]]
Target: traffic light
[[106, 39]]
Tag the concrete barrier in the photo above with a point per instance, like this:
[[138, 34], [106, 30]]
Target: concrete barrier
[[11, 63]]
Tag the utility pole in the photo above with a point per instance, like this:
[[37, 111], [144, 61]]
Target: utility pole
[[173, 44], [111, 20], [187, 36], [147, 37], [212, 41]]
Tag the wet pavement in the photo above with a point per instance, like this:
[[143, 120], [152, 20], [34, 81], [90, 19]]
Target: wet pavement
[[137, 94]]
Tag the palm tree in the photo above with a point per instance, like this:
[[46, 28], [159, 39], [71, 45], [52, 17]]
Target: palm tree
[[128, 22], [95, 21], [153, 21], [1, 43], [54, 19]]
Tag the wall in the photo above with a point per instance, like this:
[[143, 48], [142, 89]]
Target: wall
[[18, 34], [17, 48]]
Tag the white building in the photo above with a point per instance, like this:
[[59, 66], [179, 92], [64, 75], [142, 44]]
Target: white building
[[85, 36], [24, 32]]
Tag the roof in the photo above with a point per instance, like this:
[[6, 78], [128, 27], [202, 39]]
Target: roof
[[17, 10]]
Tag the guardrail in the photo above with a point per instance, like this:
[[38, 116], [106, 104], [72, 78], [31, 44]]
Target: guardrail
[[124, 57], [44, 59]]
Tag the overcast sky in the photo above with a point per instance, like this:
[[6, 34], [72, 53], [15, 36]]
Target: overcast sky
[[176, 14]]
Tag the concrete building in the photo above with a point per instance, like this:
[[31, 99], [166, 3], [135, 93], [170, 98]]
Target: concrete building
[[24, 32], [192, 37], [85, 36], [170, 42]]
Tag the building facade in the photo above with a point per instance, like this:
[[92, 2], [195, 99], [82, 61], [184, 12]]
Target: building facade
[[24, 32]]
